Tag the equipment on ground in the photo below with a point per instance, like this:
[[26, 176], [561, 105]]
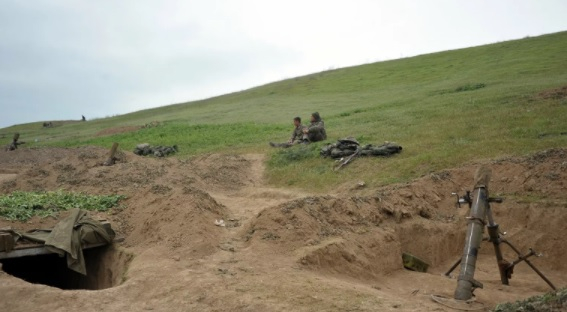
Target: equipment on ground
[[480, 212], [347, 149], [343, 162]]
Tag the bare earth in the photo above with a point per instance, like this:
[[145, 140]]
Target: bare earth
[[283, 249]]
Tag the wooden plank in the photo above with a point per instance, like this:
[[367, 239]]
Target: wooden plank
[[111, 156], [6, 242], [38, 250]]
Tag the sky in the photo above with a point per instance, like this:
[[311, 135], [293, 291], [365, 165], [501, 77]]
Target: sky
[[60, 59]]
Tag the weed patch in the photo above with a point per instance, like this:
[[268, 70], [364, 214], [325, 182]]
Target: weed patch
[[294, 155], [470, 87], [552, 301], [21, 206]]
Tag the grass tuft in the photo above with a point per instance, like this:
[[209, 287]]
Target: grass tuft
[[549, 302], [470, 87]]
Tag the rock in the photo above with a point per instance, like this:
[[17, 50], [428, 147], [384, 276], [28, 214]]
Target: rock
[[406, 194], [312, 242], [425, 213], [227, 247], [397, 216], [388, 210], [270, 236]]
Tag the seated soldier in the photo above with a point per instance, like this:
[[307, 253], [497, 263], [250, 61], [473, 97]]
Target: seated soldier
[[297, 135], [316, 130]]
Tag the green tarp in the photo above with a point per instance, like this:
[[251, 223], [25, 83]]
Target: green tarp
[[69, 236]]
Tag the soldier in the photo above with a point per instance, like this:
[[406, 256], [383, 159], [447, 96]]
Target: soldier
[[316, 130], [297, 136], [14, 145]]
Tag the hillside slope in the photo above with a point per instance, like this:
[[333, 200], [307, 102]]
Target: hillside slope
[[445, 108]]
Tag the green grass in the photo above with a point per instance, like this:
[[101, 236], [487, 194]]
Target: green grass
[[22, 206], [551, 301], [445, 109], [191, 139]]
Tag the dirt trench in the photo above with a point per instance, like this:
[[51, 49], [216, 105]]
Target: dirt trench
[[284, 249]]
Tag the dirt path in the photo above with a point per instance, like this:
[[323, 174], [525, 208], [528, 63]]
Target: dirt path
[[248, 201], [285, 250], [5, 177]]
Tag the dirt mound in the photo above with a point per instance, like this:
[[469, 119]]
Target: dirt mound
[[162, 206], [33, 156], [281, 249], [80, 168], [361, 236], [225, 172], [174, 219], [364, 236]]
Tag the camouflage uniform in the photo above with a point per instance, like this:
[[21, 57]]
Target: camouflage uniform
[[297, 137], [316, 129]]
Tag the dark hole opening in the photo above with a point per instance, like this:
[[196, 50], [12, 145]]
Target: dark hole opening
[[106, 268]]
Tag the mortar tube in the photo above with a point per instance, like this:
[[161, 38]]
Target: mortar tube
[[472, 244]]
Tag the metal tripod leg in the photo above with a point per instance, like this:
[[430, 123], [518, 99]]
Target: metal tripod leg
[[448, 273], [494, 237], [525, 259]]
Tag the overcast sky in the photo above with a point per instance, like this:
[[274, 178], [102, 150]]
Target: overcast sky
[[60, 59]]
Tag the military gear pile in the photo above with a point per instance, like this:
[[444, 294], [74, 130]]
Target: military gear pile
[[349, 146], [158, 151]]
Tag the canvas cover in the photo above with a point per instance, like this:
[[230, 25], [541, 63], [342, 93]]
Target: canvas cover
[[69, 236]]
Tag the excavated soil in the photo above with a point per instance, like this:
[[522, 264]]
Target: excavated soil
[[556, 94], [284, 249]]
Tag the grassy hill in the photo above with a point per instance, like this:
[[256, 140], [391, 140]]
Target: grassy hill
[[445, 109]]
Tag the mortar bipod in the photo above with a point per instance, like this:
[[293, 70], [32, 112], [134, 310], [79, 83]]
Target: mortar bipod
[[480, 212]]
